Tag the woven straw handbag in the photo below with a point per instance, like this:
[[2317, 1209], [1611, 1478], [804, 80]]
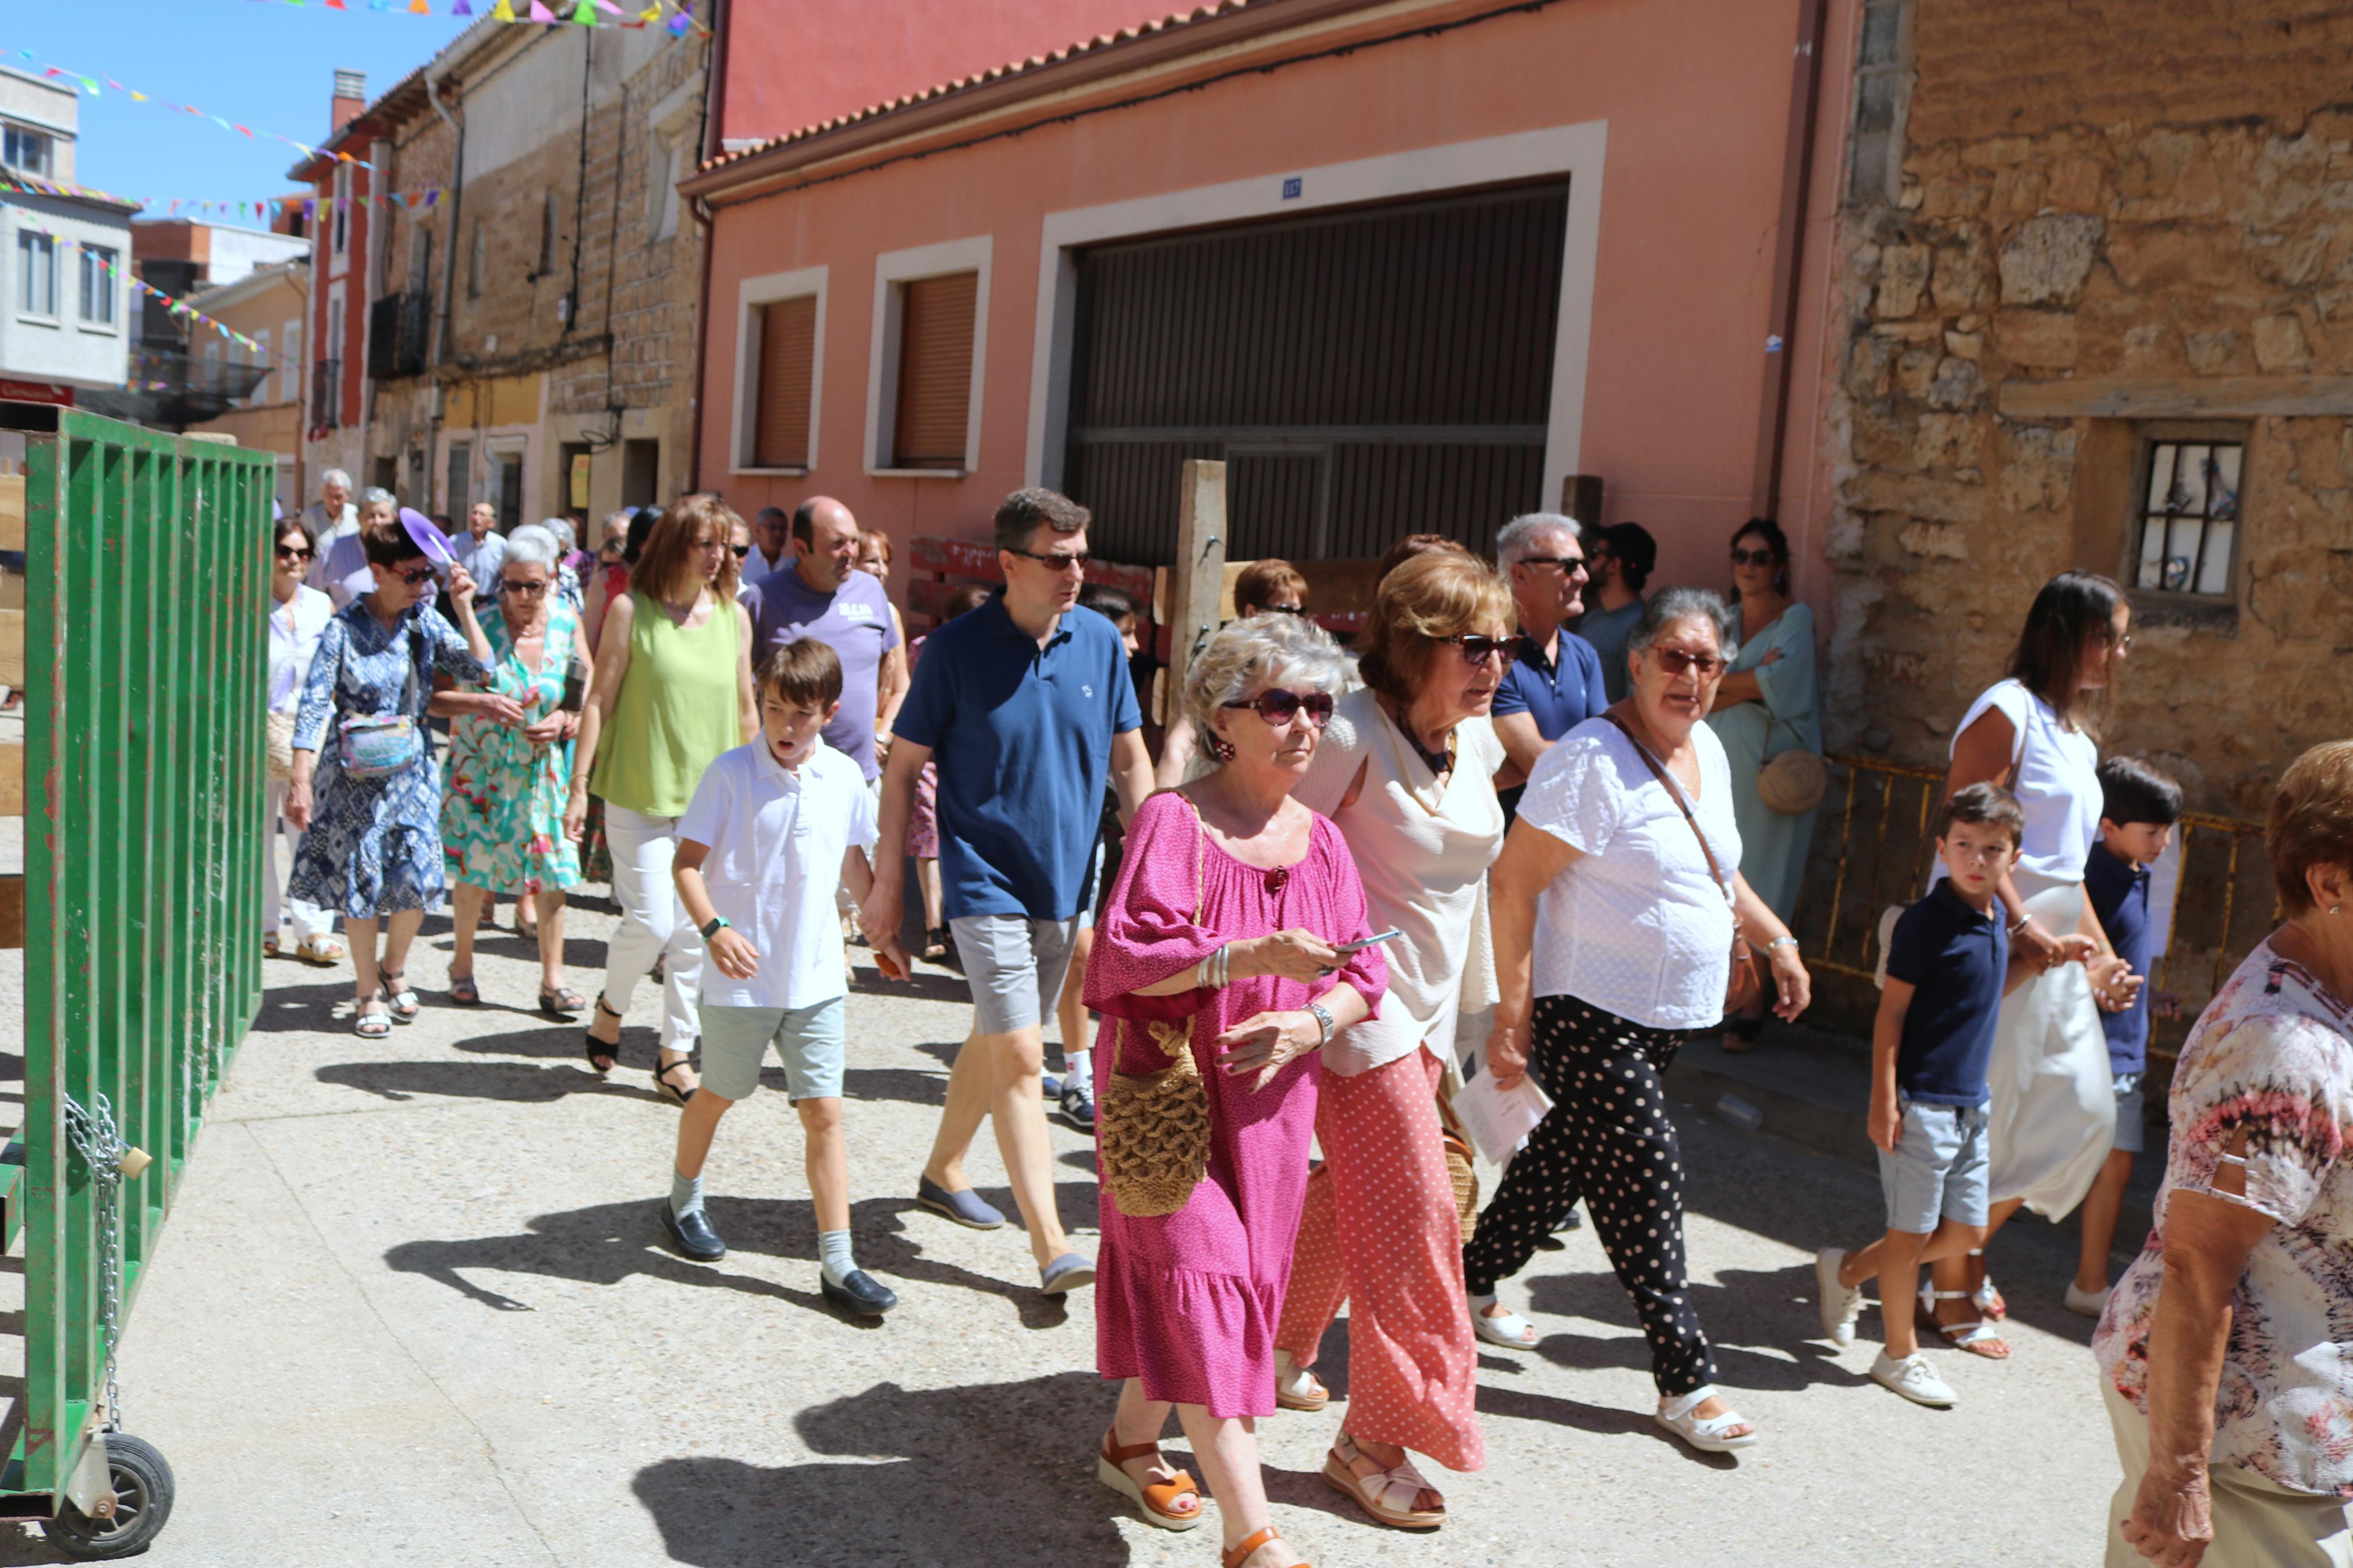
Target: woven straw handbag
[[1152, 1130], [1465, 1177]]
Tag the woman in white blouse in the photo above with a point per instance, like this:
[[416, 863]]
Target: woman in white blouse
[[1407, 772], [1614, 908], [2053, 1112], [298, 616]]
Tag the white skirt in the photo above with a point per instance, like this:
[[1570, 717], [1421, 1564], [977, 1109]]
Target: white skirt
[[2054, 1106]]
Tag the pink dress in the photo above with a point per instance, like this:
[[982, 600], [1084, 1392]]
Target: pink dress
[[1188, 1302]]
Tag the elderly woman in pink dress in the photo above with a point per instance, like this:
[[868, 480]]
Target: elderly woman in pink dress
[[1228, 919]]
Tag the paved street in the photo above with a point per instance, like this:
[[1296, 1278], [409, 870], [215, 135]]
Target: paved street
[[412, 1309]]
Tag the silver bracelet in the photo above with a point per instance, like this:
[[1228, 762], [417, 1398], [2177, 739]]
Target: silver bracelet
[[1781, 941], [1213, 969], [1323, 1017]]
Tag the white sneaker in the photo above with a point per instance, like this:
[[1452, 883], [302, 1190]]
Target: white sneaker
[[1911, 1378], [2090, 1303], [1840, 1304]]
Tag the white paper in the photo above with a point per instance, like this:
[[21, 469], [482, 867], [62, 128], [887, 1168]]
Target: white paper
[[1497, 1119]]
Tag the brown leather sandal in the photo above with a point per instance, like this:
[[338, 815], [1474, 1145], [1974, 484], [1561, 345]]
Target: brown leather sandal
[[1155, 1499], [1241, 1551]]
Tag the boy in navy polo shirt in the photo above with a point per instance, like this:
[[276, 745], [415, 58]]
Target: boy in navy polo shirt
[[1947, 970], [2138, 807]]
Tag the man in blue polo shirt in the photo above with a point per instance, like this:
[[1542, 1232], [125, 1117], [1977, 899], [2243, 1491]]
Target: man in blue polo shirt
[[821, 594], [1026, 706], [1555, 683]]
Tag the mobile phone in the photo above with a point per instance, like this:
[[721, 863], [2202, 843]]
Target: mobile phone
[[1349, 947]]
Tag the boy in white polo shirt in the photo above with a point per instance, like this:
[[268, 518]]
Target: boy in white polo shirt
[[773, 827]]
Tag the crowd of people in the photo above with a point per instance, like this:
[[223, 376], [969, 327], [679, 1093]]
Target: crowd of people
[[1539, 821]]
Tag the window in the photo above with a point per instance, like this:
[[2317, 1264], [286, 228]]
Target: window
[[780, 431], [510, 496], [97, 284], [661, 185], [290, 360], [461, 495], [640, 471], [2189, 516], [474, 261], [261, 356], [37, 274], [340, 225], [934, 391], [26, 148], [212, 381], [546, 234]]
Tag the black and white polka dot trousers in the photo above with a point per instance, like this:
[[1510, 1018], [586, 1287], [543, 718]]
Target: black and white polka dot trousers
[[1608, 1140]]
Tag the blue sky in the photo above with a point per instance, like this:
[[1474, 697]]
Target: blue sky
[[263, 64]]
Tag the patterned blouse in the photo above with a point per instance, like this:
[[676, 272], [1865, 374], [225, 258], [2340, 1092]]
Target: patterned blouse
[[2272, 1053]]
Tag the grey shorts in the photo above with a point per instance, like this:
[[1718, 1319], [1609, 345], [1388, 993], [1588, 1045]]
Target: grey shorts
[[2132, 1114], [810, 1041], [1938, 1169], [1015, 966]]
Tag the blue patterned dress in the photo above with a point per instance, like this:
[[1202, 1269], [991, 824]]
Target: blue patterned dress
[[374, 847], [503, 820]]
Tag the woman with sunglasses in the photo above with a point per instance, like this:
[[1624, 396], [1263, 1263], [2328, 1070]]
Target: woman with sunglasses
[[1769, 703], [1224, 922], [1615, 904], [510, 772], [1408, 774], [673, 690], [299, 614], [371, 845]]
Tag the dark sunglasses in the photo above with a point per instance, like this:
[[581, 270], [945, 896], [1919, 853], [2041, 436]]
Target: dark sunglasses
[[528, 590], [1055, 561], [1279, 707], [1477, 649], [417, 578], [1674, 661], [1566, 563], [292, 552], [1752, 557], [612, 548], [740, 551]]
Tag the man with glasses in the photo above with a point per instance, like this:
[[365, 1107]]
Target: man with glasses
[[772, 546], [823, 594], [1619, 558], [1555, 683], [1027, 704]]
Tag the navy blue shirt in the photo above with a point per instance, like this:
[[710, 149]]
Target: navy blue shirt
[[1561, 696], [1022, 736], [2119, 893], [1954, 960]]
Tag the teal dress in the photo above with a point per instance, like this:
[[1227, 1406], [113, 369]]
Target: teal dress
[[502, 817], [1773, 844]]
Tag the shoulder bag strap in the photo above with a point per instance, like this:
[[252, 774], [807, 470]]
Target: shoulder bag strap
[[1676, 794]]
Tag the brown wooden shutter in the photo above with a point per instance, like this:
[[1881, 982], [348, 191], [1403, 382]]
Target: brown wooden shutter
[[787, 368], [936, 326]]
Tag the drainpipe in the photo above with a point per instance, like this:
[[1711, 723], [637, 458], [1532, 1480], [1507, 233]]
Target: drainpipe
[[1788, 257], [448, 278], [714, 109]]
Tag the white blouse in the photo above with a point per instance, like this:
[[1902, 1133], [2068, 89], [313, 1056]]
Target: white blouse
[[1422, 851], [1637, 926], [295, 628], [2057, 782]]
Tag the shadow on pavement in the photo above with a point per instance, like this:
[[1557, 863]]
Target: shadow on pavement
[[911, 1085], [522, 1083]]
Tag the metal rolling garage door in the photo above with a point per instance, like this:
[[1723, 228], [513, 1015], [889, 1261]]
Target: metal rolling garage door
[[1365, 373]]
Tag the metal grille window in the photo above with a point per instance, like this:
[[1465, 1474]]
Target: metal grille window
[[37, 274], [780, 436], [935, 327], [97, 284], [2189, 516]]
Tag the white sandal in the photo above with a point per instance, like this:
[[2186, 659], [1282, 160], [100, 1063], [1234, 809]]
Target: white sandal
[[1297, 1387], [1387, 1495], [1704, 1433], [1510, 1329], [1964, 1336]]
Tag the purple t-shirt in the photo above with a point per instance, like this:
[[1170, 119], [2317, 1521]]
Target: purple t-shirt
[[854, 622]]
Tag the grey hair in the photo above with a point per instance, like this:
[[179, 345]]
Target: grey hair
[[1668, 606], [1250, 655], [533, 546], [1518, 539], [337, 477], [561, 527], [616, 522], [374, 496]]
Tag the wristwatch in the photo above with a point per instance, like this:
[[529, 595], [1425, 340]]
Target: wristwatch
[[1322, 1021], [718, 923]]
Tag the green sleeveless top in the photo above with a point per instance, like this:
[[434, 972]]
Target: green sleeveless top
[[677, 712]]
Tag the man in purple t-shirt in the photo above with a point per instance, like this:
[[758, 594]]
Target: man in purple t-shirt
[[823, 594]]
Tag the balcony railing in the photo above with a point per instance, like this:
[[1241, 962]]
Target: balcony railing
[[327, 394]]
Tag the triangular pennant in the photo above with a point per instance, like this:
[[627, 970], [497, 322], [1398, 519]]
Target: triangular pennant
[[136, 96], [461, 8], [585, 14], [680, 23], [540, 13], [503, 11], [419, 9]]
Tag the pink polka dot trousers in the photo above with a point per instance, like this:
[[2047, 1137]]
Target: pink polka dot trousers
[[1379, 1233]]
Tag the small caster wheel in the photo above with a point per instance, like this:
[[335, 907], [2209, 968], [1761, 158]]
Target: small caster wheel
[[143, 1505]]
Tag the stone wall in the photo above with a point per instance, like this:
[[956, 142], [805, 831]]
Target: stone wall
[[2157, 193]]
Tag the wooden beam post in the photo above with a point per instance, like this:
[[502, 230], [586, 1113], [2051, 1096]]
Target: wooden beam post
[[1197, 583], [1580, 498]]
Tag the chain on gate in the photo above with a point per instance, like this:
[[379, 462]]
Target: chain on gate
[[101, 1145]]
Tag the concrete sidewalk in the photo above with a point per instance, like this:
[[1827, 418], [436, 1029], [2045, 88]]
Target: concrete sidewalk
[[413, 1308]]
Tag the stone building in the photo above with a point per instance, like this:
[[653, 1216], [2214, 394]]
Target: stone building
[[2094, 308]]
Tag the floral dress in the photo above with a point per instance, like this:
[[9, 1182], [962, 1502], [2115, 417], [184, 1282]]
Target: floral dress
[[502, 817], [374, 847]]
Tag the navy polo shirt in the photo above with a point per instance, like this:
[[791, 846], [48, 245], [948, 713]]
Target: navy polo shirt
[[1022, 736], [2119, 893], [1954, 960], [1562, 696]]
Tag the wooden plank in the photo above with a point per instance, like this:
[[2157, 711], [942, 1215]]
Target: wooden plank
[[1199, 574], [12, 647], [1580, 498], [12, 911], [2178, 397], [12, 778], [12, 511], [12, 589]]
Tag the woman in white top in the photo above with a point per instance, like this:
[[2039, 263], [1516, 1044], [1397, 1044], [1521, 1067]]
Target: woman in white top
[[1613, 930], [1408, 772], [299, 614], [2053, 1110]]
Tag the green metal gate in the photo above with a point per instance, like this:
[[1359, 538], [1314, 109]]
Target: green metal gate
[[145, 578]]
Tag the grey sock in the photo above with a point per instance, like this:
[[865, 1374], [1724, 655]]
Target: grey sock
[[685, 1194], [834, 1256]]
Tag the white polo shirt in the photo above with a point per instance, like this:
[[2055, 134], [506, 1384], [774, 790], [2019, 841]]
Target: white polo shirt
[[778, 838]]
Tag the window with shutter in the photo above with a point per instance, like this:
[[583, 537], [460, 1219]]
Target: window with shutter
[[787, 367], [935, 329]]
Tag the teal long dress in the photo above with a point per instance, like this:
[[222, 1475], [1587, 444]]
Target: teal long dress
[[1773, 844]]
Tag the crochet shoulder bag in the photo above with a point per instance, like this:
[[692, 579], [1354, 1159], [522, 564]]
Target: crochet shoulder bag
[[1153, 1129]]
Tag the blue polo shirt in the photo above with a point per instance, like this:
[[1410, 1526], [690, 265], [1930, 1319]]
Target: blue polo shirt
[[1022, 736], [1562, 696], [1954, 960], [2119, 893]]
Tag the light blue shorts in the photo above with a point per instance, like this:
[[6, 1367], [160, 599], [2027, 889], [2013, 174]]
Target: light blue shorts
[[2132, 1114], [810, 1041], [1938, 1170]]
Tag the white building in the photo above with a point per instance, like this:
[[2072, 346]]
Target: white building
[[65, 261]]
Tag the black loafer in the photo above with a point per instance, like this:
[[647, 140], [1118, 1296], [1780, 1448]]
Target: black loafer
[[860, 1292], [692, 1235]]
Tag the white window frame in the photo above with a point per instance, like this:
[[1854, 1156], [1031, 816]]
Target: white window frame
[[750, 295], [26, 313], [48, 149], [670, 124], [894, 269], [87, 254]]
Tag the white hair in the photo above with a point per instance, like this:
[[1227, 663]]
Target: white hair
[[1249, 656], [1668, 606], [561, 527], [337, 477], [1517, 542], [533, 546]]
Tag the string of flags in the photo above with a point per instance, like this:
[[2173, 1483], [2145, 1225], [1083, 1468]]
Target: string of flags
[[114, 268], [93, 85], [583, 12], [264, 209]]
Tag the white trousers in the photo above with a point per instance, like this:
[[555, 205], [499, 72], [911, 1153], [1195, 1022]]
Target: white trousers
[[309, 919], [654, 924]]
